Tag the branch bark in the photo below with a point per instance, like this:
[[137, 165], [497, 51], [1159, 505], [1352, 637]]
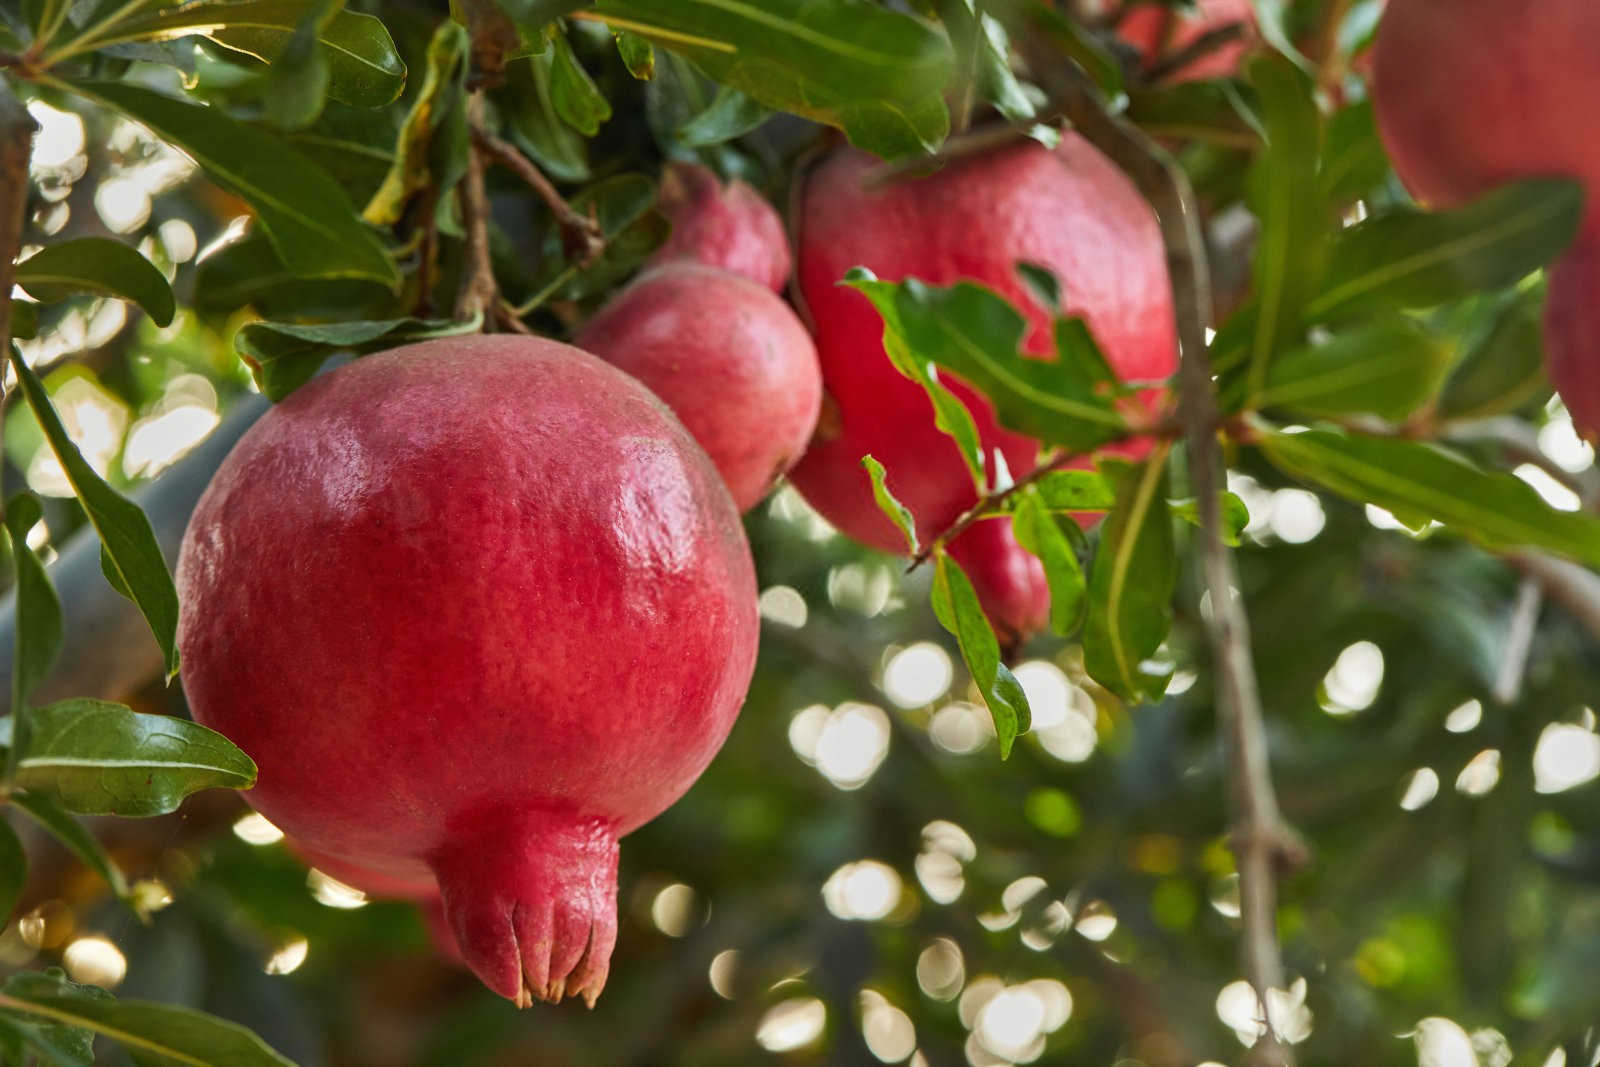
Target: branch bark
[[1262, 842], [16, 149], [580, 235]]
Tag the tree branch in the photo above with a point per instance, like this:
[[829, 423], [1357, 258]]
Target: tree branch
[[1199, 48], [1575, 588], [479, 293], [1262, 843], [1519, 641], [581, 235], [16, 149]]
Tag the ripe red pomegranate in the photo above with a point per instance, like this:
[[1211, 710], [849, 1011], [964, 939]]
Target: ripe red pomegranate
[[1472, 94], [728, 356], [727, 226], [1160, 32], [478, 607], [1572, 334], [1068, 209]]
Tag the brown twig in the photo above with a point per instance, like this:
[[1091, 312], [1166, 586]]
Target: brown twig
[[16, 148], [1262, 842], [989, 504], [581, 235], [1197, 49], [479, 292], [1575, 588]]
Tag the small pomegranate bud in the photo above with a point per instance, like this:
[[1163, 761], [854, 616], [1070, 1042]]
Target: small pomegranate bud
[[729, 226]]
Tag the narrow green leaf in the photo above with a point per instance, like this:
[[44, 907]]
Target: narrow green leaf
[[891, 507], [1353, 159], [996, 82], [432, 107], [1387, 366], [1079, 45], [123, 528], [71, 833], [1291, 250], [578, 100], [13, 871], [68, 1046], [1131, 583], [1497, 511], [955, 603], [1037, 531], [94, 757], [307, 215], [730, 114], [974, 333], [950, 415], [363, 66], [538, 130], [1076, 491], [871, 72], [155, 1033], [97, 265], [285, 355], [38, 625], [1235, 516], [1414, 259], [1207, 111], [248, 273], [1503, 370], [637, 55], [295, 88]]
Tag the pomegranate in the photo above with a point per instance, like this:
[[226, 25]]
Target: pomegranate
[[1472, 94], [728, 356], [1068, 209], [478, 607], [1572, 334], [728, 226], [1160, 32]]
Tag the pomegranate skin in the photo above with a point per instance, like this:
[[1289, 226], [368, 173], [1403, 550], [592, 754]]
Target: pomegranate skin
[[728, 356], [1473, 94], [1008, 579], [477, 607], [730, 226], [1572, 334], [1069, 210], [1159, 32]]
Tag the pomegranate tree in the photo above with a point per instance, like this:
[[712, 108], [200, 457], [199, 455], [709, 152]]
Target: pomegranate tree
[[1067, 209], [728, 356], [478, 607]]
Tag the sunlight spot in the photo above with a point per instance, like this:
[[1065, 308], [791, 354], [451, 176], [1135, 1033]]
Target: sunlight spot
[[1096, 921], [1239, 1009], [254, 829], [1559, 440], [95, 961], [960, 728], [918, 675], [853, 744], [289, 957], [888, 1031], [1555, 494], [1297, 516], [675, 910], [864, 588], [178, 239], [941, 969], [59, 138], [724, 967], [1566, 756], [792, 1024], [1481, 774], [946, 847], [866, 890], [1442, 1043], [1421, 788], [332, 893], [1464, 718], [784, 605], [1353, 682]]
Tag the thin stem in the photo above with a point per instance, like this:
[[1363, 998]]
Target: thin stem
[[1507, 686], [1197, 49], [1575, 588], [94, 36], [989, 504], [479, 292], [580, 235], [1262, 842]]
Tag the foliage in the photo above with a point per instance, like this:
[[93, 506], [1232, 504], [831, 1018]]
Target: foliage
[[1379, 376]]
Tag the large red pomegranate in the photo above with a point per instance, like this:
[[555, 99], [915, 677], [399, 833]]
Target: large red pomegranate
[[1160, 32], [1068, 209], [1472, 94], [728, 356], [478, 607], [727, 226]]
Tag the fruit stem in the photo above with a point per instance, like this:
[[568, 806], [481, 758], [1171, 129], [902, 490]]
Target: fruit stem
[[1263, 844]]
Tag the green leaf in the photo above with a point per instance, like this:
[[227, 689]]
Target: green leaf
[[1413, 259], [1497, 511], [1503, 370], [71, 833], [1131, 583], [123, 527], [1036, 530], [1235, 516], [94, 757], [13, 871], [578, 100], [295, 88], [890, 505], [154, 1034], [60, 1044], [307, 215], [950, 415], [1387, 366], [624, 206], [536, 127], [730, 114], [97, 265], [362, 66], [1292, 246], [285, 355], [436, 103], [1079, 45], [873, 73], [955, 603], [1353, 159], [983, 61], [637, 55], [354, 146], [38, 625], [248, 273], [1042, 285], [1208, 111], [1076, 491], [973, 332]]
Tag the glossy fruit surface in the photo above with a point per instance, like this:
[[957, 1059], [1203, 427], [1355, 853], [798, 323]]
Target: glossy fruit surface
[[477, 607], [1572, 335], [729, 226], [728, 356]]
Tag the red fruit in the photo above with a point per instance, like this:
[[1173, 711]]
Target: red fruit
[[727, 226], [1572, 334], [1159, 32], [478, 607], [728, 356], [1069, 210], [1472, 94], [1008, 579]]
